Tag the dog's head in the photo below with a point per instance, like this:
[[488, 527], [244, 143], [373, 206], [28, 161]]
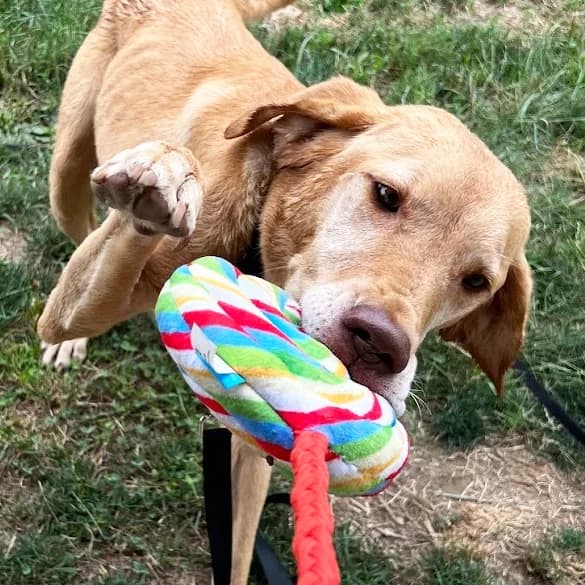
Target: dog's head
[[388, 222]]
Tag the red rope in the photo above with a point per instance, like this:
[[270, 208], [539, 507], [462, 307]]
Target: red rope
[[313, 539]]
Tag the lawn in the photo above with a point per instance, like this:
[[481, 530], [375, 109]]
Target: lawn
[[100, 467]]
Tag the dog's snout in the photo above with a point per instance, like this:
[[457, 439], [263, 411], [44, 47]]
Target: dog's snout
[[377, 338]]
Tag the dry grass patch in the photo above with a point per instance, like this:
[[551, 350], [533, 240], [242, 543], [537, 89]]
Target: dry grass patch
[[570, 165], [12, 244], [117, 565], [301, 14], [17, 501], [522, 15], [496, 500]]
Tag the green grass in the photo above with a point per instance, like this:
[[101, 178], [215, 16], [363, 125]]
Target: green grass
[[100, 466], [110, 456], [455, 567], [548, 555]]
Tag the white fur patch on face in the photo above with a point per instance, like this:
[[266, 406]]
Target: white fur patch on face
[[323, 306], [348, 228], [349, 233]]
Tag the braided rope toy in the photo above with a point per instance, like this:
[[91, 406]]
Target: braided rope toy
[[236, 340]]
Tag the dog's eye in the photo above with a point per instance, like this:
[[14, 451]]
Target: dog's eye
[[475, 282], [387, 197]]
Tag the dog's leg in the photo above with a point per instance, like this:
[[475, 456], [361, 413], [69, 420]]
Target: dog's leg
[[155, 190], [250, 480], [73, 159], [74, 154]]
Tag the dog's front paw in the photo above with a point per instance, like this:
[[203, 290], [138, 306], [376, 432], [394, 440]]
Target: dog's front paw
[[156, 184]]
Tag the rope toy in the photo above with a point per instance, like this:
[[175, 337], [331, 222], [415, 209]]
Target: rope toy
[[236, 340]]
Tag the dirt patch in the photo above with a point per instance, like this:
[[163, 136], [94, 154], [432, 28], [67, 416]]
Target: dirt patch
[[521, 15], [510, 14], [498, 501], [300, 14], [293, 15], [12, 244], [197, 577], [111, 564], [570, 166], [18, 503]]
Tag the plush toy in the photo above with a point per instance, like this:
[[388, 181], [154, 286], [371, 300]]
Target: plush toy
[[238, 343]]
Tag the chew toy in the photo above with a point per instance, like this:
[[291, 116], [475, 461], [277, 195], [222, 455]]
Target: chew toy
[[238, 344]]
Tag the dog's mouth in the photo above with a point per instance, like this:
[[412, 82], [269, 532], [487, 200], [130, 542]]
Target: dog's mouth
[[369, 357], [372, 369], [362, 349]]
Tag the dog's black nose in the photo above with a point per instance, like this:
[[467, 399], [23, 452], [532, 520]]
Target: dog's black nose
[[377, 339]]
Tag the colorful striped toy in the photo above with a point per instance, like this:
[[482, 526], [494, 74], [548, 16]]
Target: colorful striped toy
[[237, 342]]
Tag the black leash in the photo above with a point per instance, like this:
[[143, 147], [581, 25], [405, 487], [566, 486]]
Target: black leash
[[552, 406], [217, 492], [274, 571]]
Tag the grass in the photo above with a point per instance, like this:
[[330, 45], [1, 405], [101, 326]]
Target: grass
[[549, 554], [455, 567], [110, 457], [100, 467]]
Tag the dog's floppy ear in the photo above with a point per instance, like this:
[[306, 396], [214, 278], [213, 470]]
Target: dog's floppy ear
[[337, 103], [493, 333]]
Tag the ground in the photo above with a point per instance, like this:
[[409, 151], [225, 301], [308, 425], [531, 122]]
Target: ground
[[99, 467]]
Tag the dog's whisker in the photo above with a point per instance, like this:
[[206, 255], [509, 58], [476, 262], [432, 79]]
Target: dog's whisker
[[420, 402]]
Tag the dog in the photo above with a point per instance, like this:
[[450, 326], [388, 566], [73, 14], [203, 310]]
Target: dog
[[385, 222]]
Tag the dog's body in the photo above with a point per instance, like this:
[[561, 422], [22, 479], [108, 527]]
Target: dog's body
[[385, 222]]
